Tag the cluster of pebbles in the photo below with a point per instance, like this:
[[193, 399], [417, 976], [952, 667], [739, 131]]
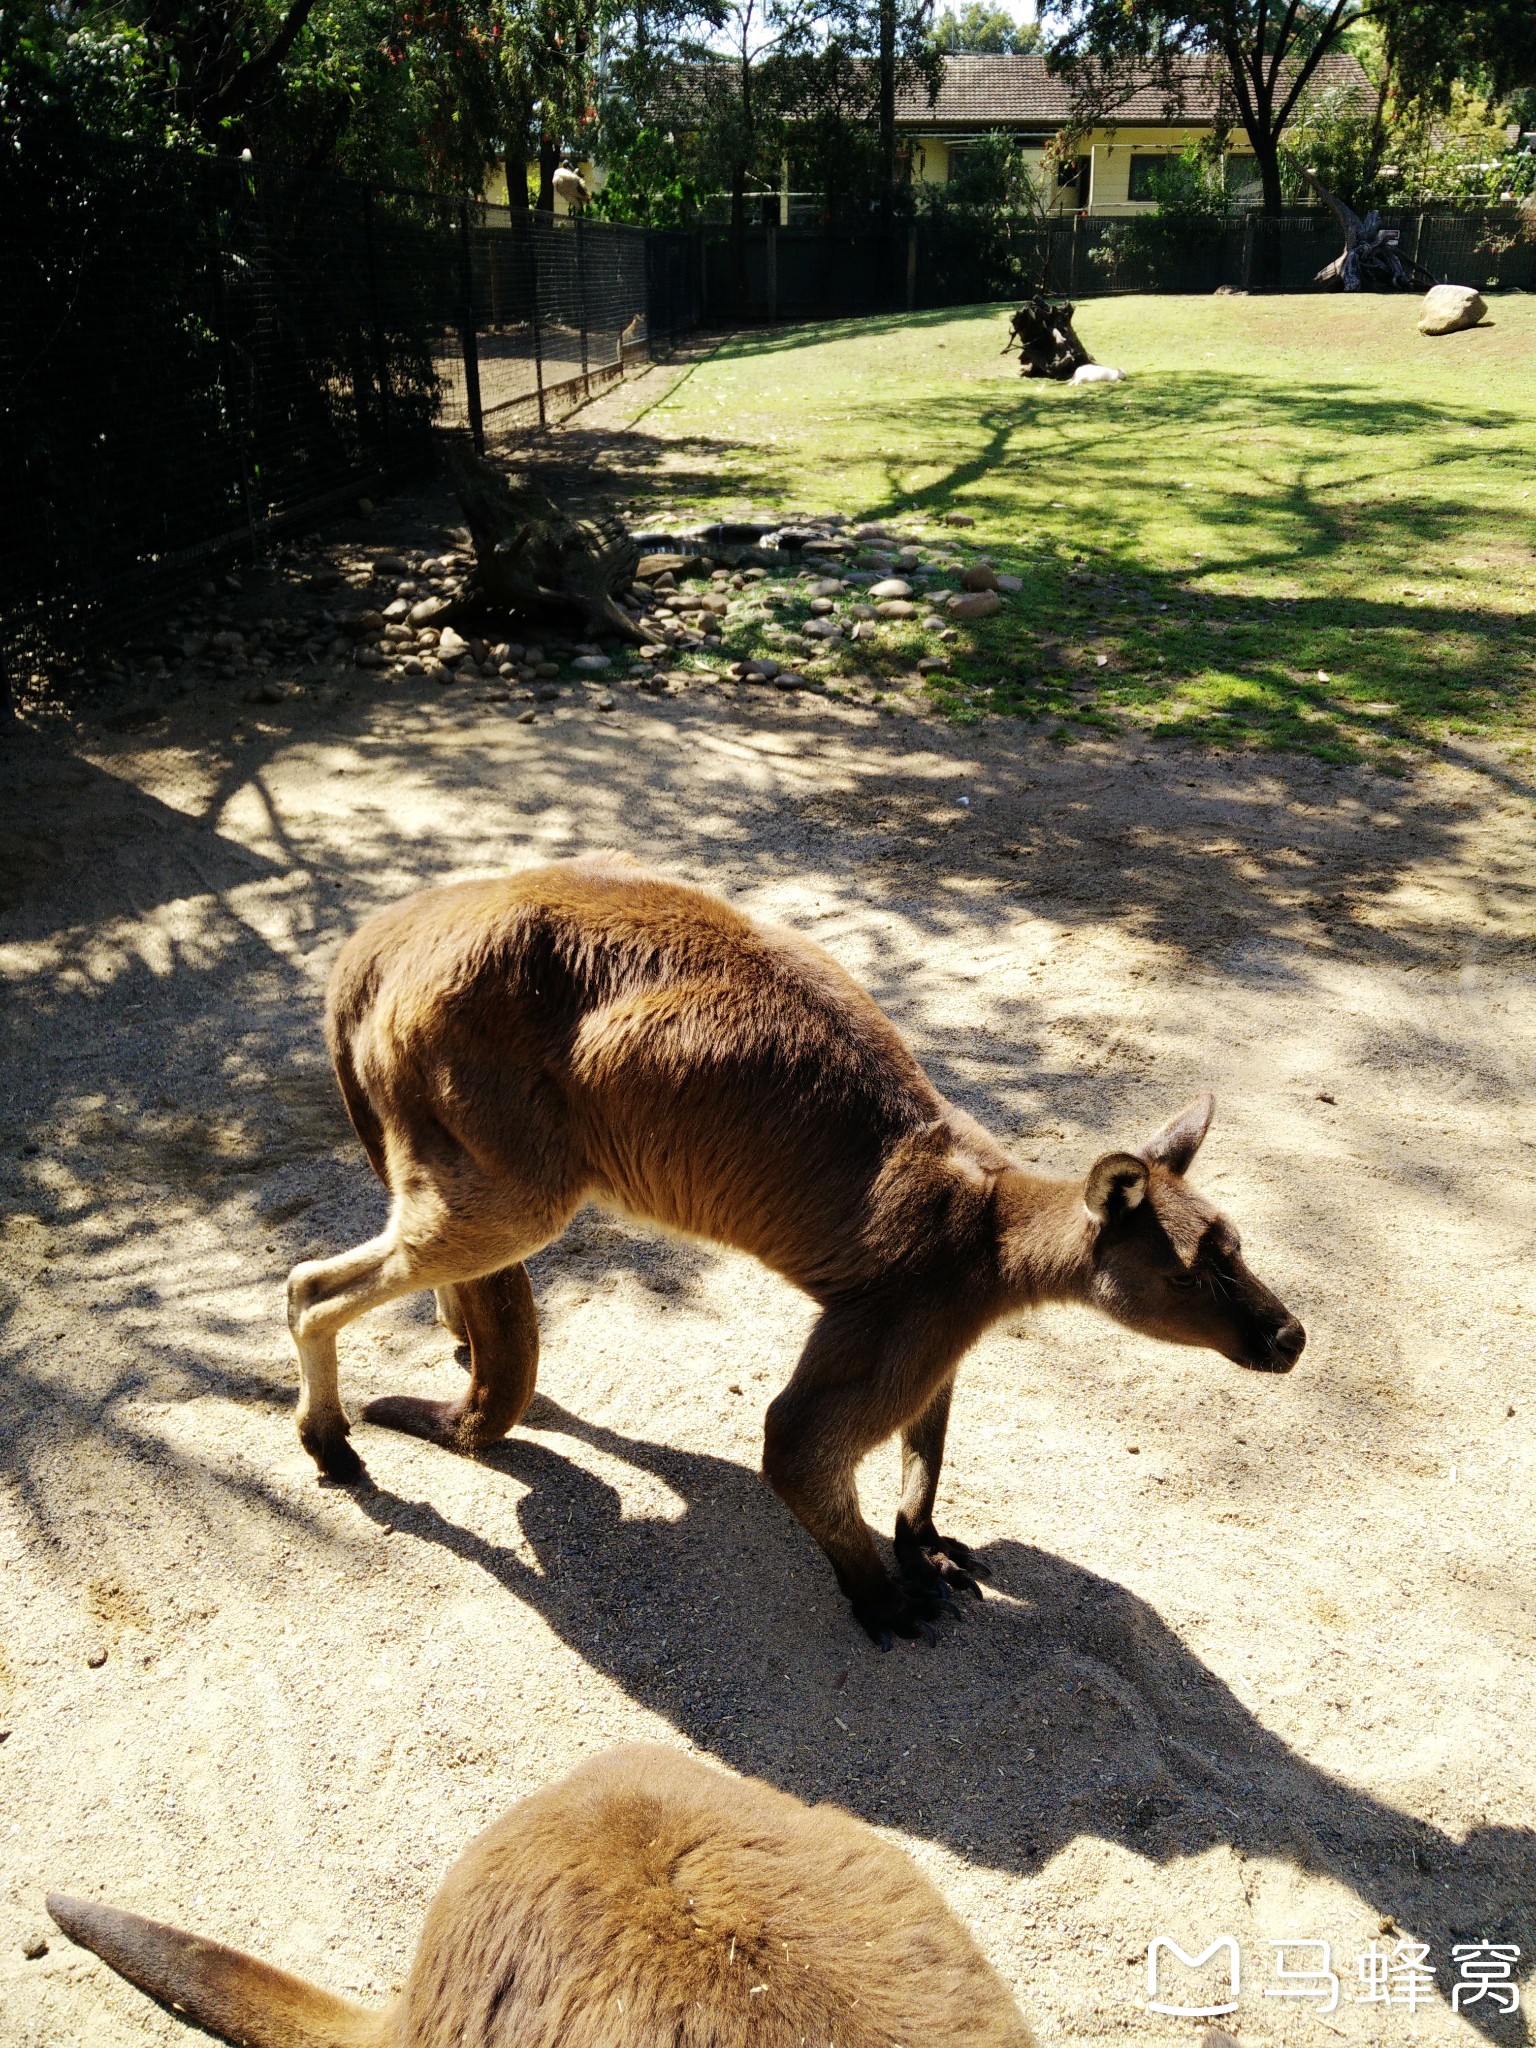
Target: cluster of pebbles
[[316, 613]]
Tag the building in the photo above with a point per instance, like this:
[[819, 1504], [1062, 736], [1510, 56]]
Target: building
[[1109, 173]]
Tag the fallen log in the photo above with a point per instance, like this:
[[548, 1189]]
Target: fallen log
[[1370, 259], [1046, 341], [534, 559]]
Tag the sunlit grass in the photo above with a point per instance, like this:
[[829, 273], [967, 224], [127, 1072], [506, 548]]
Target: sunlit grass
[[1298, 523]]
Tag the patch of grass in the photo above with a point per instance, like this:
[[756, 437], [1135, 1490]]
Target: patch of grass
[[1299, 523]]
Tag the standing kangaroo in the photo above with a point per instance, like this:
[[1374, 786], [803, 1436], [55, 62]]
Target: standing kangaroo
[[646, 1901], [588, 1032]]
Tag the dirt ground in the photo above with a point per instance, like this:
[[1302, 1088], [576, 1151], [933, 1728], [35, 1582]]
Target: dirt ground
[[1257, 1656]]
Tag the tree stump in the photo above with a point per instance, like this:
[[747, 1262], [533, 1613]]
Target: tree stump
[[534, 559], [1046, 341], [1370, 260]]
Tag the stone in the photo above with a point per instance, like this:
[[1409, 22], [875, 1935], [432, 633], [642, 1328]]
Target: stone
[[96, 1656], [413, 665], [897, 608], [933, 664], [605, 702], [546, 693], [820, 607], [864, 630], [932, 623], [438, 674], [975, 604], [958, 519], [526, 717], [1011, 584], [590, 664], [228, 642], [890, 586], [451, 646], [365, 508], [428, 609], [391, 565], [397, 609], [544, 668], [34, 1948], [823, 629], [826, 586], [650, 566], [909, 558], [1449, 308], [980, 576], [370, 657], [789, 679], [1097, 373], [862, 611]]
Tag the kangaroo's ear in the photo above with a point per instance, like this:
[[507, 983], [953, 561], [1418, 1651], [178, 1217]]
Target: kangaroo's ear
[[1177, 1142], [1115, 1184]]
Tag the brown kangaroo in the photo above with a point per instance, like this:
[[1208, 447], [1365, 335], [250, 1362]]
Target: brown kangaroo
[[646, 1901], [588, 1032]]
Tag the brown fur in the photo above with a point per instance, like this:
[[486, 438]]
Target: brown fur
[[646, 1901], [511, 1049]]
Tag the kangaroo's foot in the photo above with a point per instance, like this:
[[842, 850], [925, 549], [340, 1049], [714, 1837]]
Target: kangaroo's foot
[[942, 1563], [453, 1424], [333, 1454], [897, 1607]]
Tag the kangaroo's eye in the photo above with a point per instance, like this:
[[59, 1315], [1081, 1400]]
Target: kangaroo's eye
[[1183, 1280]]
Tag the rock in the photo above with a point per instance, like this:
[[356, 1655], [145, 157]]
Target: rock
[[660, 565], [34, 1948], [827, 586], [365, 508], [890, 586], [228, 642], [975, 604], [862, 611], [396, 611], [451, 646], [1097, 373], [932, 623], [897, 608], [958, 519], [820, 607], [1012, 584], [370, 657], [980, 576], [823, 629], [438, 674], [789, 679], [1450, 307], [526, 717], [591, 663], [933, 664], [321, 579], [605, 702], [96, 1656], [545, 668], [864, 630], [546, 693], [909, 558], [427, 610], [413, 665], [391, 565]]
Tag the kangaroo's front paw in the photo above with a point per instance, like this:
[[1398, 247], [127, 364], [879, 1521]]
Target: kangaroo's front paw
[[928, 1559]]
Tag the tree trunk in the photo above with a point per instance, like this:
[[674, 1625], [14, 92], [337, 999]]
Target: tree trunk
[[887, 122], [531, 558], [549, 160]]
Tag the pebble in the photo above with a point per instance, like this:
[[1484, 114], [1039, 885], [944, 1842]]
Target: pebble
[[591, 663], [890, 586], [546, 693], [820, 607], [789, 679], [897, 608], [980, 576], [451, 645], [825, 629], [605, 702], [526, 717], [958, 519], [391, 565], [975, 604], [933, 622], [96, 1656], [34, 1948], [1012, 584], [932, 664]]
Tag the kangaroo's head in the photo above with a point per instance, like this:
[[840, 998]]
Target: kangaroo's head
[[1170, 1265]]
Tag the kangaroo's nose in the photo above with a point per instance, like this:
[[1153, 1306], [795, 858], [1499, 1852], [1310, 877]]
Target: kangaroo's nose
[[1289, 1341]]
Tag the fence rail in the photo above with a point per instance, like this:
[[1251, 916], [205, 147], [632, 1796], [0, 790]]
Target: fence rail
[[963, 258], [196, 354]]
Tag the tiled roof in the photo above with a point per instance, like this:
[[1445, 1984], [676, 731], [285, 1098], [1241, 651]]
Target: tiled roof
[[1010, 92]]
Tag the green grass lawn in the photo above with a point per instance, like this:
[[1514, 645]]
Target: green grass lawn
[[1299, 523]]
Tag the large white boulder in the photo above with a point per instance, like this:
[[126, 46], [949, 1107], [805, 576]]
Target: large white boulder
[[1449, 307]]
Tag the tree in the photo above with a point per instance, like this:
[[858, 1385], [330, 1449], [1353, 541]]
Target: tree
[[1262, 56], [982, 31]]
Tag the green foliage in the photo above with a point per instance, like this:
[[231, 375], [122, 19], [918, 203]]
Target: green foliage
[[652, 179], [981, 31]]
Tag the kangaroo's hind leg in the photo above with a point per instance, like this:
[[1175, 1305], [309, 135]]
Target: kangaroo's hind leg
[[501, 1326]]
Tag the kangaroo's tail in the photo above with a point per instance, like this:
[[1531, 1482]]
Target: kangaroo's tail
[[231, 1994]]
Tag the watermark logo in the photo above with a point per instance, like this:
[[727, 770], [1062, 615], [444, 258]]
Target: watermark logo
[[1223, 1944], [1483, 1972]]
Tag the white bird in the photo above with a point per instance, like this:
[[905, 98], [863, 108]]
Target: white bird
[[569, 187]]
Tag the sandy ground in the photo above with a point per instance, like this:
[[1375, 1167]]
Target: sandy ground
[[1257, 1658]]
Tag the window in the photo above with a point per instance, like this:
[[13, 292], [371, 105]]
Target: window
[[1242, 180], [1144, 170]]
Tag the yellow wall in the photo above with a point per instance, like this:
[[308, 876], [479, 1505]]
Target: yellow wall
[[1110, 149]]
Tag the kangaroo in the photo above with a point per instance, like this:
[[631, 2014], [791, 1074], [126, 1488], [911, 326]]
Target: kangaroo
[[511, 1049], [646, 1899]]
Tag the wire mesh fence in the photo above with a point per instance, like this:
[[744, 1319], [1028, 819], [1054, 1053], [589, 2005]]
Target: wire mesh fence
[[196, 353], [966, 256]]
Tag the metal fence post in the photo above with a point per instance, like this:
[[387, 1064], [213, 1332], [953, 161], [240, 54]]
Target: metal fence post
[[581, 296], [911, 265], [376, 323], [1248, 251], [771, 266], [1077, 240], [468, 339], [531, 228]]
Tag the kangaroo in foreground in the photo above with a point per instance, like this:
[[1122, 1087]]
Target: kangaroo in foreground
[[646, 1901], [511, 1049]]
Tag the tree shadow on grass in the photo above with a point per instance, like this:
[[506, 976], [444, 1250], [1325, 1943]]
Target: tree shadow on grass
[[1064, 1707]]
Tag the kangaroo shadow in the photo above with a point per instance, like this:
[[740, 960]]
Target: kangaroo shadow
[[1064, 1707]]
